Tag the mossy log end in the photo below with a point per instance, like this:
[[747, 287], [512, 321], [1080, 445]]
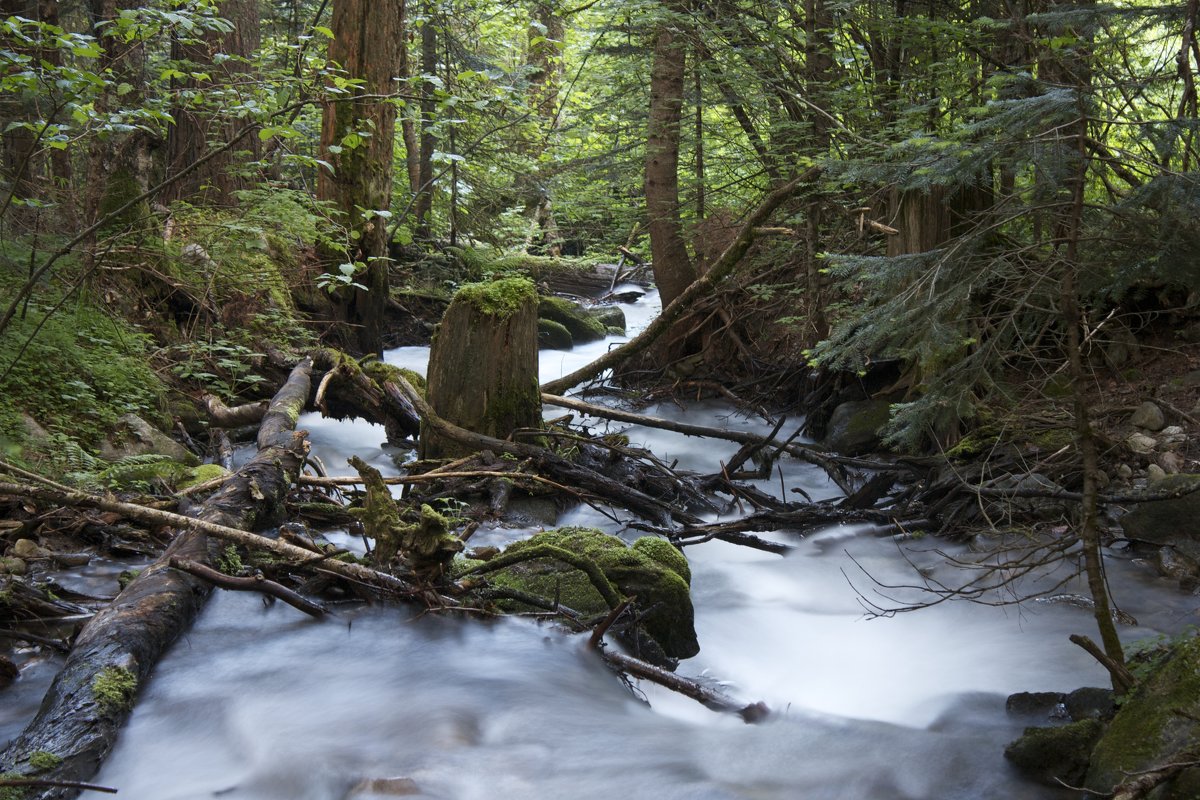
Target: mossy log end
[[483, 365], [118, 649]]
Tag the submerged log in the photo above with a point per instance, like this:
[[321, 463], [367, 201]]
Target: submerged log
[[483, 366], [116, 652]]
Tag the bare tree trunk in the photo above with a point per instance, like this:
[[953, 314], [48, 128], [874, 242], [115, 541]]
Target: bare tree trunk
[[366, 37], [194, 128], [673, 269]]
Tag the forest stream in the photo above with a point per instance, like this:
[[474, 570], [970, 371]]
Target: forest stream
[[263, 702]]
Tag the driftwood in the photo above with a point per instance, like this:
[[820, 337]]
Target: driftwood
[[222, 416], [721, 268], [117, 650], [378, 401]]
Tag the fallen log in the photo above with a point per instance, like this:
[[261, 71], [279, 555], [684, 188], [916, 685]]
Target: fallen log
[[117, 650]]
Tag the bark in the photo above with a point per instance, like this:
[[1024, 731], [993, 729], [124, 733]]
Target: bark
[[366, 45], [673, 269], [423, 206], [721, 268], [194, 127], [117, 650], [483, 366]]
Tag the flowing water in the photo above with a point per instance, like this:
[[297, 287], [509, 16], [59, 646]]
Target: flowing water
[[266, 703]]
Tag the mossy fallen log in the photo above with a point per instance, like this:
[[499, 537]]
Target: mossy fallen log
[[118, 649]]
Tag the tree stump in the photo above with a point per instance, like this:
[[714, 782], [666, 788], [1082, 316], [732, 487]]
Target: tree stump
[[483, 369]]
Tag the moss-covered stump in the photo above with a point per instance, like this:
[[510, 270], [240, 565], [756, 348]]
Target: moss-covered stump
[[1156, 726], [1056, 753], [652, 569], [483, 370]]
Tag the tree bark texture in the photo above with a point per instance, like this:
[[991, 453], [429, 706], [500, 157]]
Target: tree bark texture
[[483, 367], [117, 650], [673, 269], [423, 207], [197, 124], [366, 44]]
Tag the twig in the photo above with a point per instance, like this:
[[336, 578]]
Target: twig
[[88, 787], [1123, 679]]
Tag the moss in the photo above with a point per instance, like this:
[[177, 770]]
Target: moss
[[1155, 724], [126, 577], [554, 335], [114, 688], [666, 554], [501, 298], [12, 792], [202, 474], [381, 373], [1056, 753], [661, 591], [230, 561], [582, 325], [44, 761]]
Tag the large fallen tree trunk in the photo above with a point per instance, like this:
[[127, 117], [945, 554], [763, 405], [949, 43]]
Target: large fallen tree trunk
[[721, 268], [118, 649]]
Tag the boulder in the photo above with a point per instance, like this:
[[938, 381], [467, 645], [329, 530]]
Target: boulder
[[1052, 754], [553, 335], [1169, 522], [855, 426], [1141, 443], [1090, 702], [582, 324], [136, 437], [612, 317], [1148, 416], [1157, 725], [658, 578]]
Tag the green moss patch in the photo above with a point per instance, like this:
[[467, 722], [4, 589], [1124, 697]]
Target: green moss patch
[[501, 298], [44, 761], [114, 689]]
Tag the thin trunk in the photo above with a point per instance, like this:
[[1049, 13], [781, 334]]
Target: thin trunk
[[673, 269], [423, 207], [699, 87], [366, 36]]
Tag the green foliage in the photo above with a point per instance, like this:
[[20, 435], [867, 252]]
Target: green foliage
[[75, 372], [230, 561]]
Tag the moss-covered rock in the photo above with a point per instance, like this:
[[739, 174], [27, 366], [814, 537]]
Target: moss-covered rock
[[645, 570], [553, 335], [1056, 753], [855, 426], [136, 437], [582, 324], [1155, 726]]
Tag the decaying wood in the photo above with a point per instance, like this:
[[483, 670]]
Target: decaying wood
[[367, 399], [256, 583], [721, 268], [117, 650], [222, 416]]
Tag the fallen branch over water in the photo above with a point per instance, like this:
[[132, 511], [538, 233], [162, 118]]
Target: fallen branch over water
[[256, 583], [754, 712]]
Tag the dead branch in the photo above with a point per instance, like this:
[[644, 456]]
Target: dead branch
[[1122, 678], [222, 416], [256, 583], [755, 712]]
